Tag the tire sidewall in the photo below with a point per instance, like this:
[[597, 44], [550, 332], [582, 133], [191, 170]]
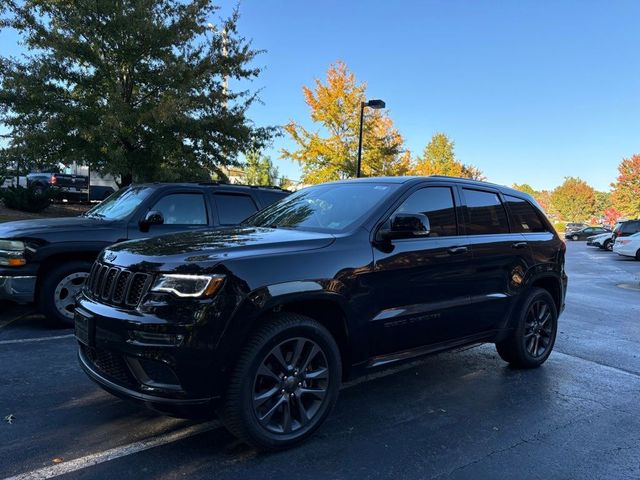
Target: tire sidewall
[[323, 338], [50, 280], [535, 295]]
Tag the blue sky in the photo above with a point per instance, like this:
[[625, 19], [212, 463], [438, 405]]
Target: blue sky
[[530, 91]]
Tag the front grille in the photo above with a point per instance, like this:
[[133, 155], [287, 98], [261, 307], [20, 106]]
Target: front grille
[[111, 365], [117, 286]]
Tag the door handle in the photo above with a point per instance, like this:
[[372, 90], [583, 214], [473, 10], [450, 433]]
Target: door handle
[[458, 250], [519, 245]]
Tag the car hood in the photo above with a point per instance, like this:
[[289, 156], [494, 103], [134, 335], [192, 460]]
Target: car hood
[[213, 246], [42, 227]]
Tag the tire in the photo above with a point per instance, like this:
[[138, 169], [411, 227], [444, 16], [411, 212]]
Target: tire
[[638, 255], [575, 238], [58, 288], [257, 388], [608, 245], [517, 348]]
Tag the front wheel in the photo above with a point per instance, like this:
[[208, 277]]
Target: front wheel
[[608, 245], [575, 238], [285, 383], [58, 290], [530, 342]]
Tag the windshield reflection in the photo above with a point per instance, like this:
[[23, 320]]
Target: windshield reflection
[[331, 207], [121, 204]]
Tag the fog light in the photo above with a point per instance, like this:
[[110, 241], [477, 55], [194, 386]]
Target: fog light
[[153, 338]]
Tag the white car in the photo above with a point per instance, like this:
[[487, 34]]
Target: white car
[[602, 240], [628, 246]]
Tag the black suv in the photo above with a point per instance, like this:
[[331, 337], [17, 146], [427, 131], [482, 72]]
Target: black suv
[[48, 260], [263, 321]]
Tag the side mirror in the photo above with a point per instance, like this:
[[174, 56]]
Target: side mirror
[[153, 217], [405, 225]]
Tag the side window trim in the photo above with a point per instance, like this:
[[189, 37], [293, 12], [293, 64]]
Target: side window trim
[[511, 216]]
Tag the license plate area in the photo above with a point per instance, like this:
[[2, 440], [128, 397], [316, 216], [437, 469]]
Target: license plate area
[[83, 329]]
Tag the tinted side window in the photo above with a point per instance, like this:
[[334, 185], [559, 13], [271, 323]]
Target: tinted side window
[[486, 213], [437, 204], [182, 209], [233, 208], [269, 197], [525, 218]]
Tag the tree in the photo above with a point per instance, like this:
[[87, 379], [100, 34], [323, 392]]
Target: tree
[[133, 88], [524, 187], [438, 158], [330, 152], [603, 202], [626, 189], [259, 170], [574, 200]]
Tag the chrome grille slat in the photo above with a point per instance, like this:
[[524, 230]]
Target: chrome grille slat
[[117, 286]]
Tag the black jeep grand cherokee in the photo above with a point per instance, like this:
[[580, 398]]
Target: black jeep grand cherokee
[[263, 321]]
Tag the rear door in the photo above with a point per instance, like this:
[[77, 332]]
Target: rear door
[[500, 257], [233, 207]]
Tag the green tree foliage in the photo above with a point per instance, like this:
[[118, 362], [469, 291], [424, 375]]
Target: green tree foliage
[[330, 152], [524, 187], [438, 158], [135, 88], [626, 190], [574, 200], [259, 170], [603, 202]]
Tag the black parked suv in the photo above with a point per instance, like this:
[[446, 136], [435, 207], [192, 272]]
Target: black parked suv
[[48, 260], [262, 322]]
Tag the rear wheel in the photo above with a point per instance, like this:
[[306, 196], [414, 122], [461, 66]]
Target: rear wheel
[[285, 383], [638, 255], [575, 238], [608, 245], [58, 290], [532, 339]]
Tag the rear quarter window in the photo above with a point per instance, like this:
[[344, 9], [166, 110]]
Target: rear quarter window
[[524, 216]]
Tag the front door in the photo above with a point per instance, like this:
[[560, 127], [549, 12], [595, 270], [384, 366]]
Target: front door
[[421, 284]]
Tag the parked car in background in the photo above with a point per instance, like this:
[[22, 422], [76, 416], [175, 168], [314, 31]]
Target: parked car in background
[[573, 227], [72, 187], [585, 232], [48, 260], [264, 321], [626, 229], [599, 239], [628, 246]]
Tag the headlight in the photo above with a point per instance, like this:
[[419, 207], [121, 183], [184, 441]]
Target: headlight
[[12, 253], [192, 286]]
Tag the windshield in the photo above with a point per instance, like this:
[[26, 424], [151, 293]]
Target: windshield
[[121, 204], [331, 207]]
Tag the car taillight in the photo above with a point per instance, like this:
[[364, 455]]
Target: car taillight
[[54, 180], [623, 242]]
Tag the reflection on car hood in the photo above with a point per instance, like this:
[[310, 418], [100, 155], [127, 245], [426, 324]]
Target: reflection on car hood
[[40, 227], [214, 245]]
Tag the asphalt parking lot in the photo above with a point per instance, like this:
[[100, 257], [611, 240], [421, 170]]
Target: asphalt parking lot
[[456, 415]]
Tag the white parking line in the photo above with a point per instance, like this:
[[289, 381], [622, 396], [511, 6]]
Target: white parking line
[[101, 457], [33, 340]]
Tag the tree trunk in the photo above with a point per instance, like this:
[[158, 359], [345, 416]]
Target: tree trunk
[[126, 179]]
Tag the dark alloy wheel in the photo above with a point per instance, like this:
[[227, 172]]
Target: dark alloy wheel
[[534, 331], [538, 330], [285, 383], [638, 255], [608, 245], [290, 385]]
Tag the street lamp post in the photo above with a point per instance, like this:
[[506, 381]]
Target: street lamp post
[[375, 104]]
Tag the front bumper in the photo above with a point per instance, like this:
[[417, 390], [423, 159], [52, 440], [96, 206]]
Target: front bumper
[[20, 289], [150, 357]]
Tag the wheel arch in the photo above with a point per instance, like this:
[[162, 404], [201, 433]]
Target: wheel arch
[[551, 284], [57, 259]]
